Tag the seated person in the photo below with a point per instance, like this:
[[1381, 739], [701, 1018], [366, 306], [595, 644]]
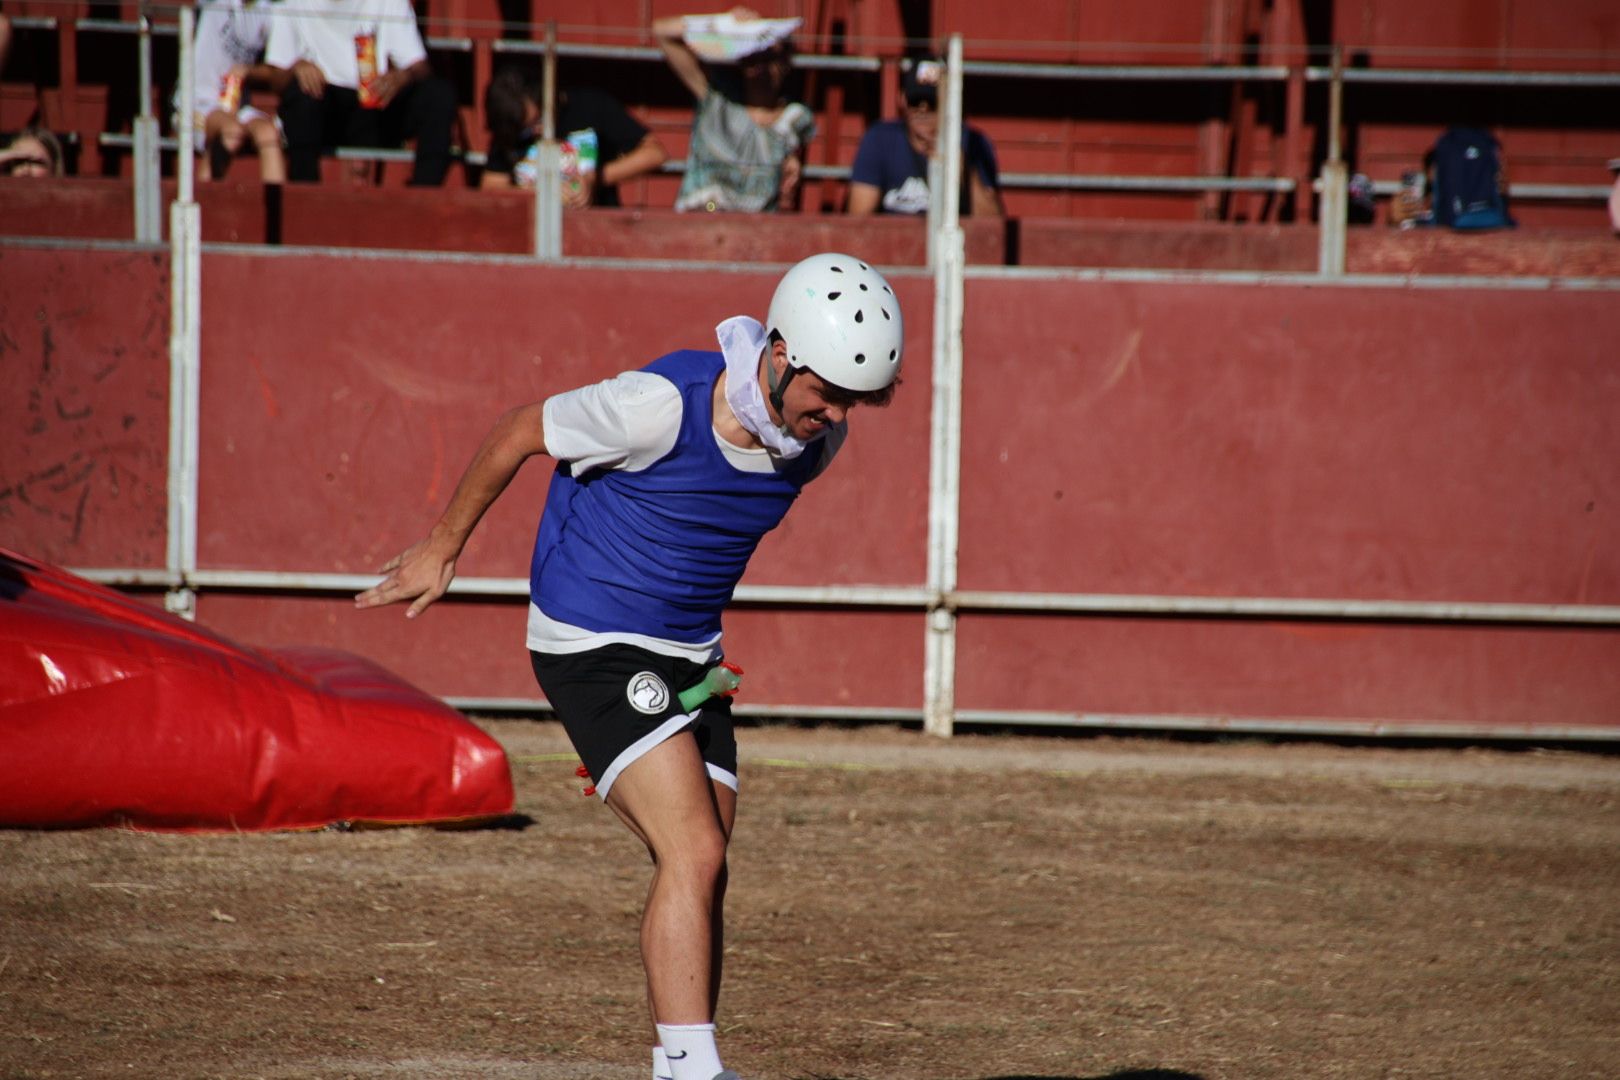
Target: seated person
[[593, 124], [890, 173], [1614, 196], [32, 152], [231, 35], [355, 73], [748, 137]]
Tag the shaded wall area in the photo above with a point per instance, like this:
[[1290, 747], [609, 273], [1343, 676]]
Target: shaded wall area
[[1172, 438]]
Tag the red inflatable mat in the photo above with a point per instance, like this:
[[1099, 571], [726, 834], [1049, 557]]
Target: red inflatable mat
[[115, 713]]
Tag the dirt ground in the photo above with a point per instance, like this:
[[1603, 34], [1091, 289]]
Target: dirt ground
[[901, 908]]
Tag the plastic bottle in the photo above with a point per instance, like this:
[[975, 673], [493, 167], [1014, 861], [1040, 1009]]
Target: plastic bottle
[[721, 680]]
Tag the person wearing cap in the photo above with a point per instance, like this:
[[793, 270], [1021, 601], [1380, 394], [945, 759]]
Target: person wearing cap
[[748, 136], [890, 174], [667, 479]]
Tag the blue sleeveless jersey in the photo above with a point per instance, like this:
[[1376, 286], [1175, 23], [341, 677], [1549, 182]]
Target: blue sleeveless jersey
[[659, 551]]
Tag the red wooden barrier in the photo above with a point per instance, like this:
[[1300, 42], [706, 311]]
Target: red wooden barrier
[[84, 387], [1200, 439], [1296, 442]]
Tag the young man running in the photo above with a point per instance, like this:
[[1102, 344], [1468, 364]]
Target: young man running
[[668, 478]]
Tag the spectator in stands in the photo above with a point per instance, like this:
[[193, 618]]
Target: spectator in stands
[[606, 144], [748, 137], [355, 72], [32, 151], [231, 36], [1614, 196], [890, 174]]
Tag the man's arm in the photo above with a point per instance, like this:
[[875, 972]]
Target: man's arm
[[670, 34], [423, 572], [984, 200], [647, 156], [392, 81], [863, 198]]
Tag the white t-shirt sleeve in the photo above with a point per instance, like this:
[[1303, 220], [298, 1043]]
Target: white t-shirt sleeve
[[284, 49], [626, 422], [399, 42]]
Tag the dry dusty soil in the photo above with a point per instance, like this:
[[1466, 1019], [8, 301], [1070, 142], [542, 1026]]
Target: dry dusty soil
[[901, 908]]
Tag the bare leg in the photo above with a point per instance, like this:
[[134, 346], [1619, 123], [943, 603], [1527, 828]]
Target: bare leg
[[272, 163], [667, 799]]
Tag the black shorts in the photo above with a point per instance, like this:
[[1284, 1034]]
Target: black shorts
[[618, 702]]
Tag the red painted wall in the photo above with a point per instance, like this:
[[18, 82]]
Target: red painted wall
[[1163, 438], [84, 422]]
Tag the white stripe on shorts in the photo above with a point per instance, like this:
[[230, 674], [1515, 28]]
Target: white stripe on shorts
[[636, 749]]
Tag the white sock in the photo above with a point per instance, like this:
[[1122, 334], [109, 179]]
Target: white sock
[[690, 1051], [661, 1065]]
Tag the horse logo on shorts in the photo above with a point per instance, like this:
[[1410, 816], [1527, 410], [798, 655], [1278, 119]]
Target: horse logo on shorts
[[647, 693]]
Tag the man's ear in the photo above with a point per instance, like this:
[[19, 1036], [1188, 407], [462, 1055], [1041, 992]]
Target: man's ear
[[779, 355]]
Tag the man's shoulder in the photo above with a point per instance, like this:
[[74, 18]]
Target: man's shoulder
[[684, 365], [884, 132]]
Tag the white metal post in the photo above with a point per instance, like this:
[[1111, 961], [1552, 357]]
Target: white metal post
[[1334, 214], [148, 190], [944, 463], [185, 329], [548, 177]]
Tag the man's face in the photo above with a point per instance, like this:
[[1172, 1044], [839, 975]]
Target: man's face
[[811, 406], [922, 125]]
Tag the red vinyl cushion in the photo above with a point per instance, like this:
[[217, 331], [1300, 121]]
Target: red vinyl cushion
[[113, 712]]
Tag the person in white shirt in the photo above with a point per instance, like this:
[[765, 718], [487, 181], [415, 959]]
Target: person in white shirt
[[231, 36], [355, 73]]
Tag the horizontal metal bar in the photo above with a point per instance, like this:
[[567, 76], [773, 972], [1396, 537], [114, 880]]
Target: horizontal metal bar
[[1272, 726], [919, 598], [1131, 72], [1313, 726], [1521, 191], [34, 22], [808, 61], [449, 44], [1307, 279], [1447, 77], [1105, 182], [125, 26], [1287, 608]]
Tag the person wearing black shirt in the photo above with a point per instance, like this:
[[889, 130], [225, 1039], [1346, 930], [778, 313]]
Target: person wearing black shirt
[[624, 148]]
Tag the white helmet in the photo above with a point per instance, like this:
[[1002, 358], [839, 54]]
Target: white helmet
[[840, 320]]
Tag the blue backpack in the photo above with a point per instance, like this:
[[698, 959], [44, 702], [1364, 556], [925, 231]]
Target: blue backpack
[[1468, 181]]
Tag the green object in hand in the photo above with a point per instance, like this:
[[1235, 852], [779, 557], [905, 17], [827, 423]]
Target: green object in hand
[[721, 680]]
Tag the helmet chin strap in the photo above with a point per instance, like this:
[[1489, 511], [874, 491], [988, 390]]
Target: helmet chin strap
[[778, 385]]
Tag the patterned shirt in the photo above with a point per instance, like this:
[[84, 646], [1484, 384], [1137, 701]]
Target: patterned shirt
[[734, 163]]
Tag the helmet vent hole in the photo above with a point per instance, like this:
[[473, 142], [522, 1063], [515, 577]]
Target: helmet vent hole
[[834, 295], [863, 266], [891, 356], [885, 311], [863, 286], [859, 316], [836, 269], [860, 358]]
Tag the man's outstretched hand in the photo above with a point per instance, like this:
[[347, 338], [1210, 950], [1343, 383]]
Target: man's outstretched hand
[[421, 574]]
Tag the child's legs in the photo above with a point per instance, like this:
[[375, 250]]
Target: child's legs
[[266, 139]]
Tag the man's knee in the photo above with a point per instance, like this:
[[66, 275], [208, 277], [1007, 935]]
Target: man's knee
[[698, 860], [299, 110]]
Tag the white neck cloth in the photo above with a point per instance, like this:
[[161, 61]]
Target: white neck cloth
[[741, 341]]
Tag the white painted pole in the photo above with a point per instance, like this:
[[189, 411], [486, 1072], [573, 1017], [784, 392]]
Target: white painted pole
[[944, 466], [548, 177], [147, 171], [185, 329]]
